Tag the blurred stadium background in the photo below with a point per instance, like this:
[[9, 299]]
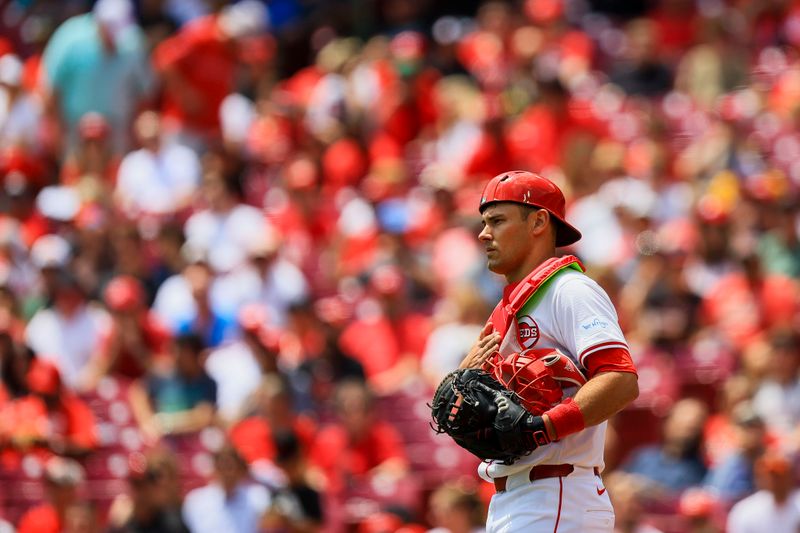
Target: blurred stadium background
[[238, 249]]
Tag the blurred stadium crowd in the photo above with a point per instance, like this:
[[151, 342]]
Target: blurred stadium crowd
[[238, 249]]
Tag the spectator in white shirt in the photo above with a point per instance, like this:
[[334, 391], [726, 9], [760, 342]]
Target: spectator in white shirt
[[775, 508], [158, 178], [461, 316], [231, 503], [20, 112], [777, 399], [238, 367], [225, 226], [280, 284], [70, 332]]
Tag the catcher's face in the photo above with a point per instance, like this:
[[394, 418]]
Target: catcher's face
[[507, 237]]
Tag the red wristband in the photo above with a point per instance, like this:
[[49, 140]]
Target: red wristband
[[566, 418]]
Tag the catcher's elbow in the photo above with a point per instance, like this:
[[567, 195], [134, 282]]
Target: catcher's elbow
[[632, 387]]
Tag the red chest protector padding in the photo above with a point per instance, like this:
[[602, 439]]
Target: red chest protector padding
[[508, 307]]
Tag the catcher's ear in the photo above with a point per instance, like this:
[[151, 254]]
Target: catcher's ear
[[539, 220]]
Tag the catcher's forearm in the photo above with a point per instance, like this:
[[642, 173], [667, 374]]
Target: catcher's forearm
[[606, 394]]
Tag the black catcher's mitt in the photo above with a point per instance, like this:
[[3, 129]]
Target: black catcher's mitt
[[484, 417]]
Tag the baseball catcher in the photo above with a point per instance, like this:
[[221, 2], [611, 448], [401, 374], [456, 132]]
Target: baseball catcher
[[494, 412]]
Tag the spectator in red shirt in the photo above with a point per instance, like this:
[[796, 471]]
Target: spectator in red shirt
[[254, 436], [50, 419], [61, 480], [198, 65], [745, 304], [358, 446], [136, 336], [397, 332]]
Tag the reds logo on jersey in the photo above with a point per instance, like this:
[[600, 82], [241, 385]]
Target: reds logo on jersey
[[527, 332]]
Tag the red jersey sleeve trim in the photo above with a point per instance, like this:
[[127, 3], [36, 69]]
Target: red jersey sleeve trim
[[601, 346], [608, 359]]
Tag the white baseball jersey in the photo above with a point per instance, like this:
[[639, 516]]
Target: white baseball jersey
[[572, 313]]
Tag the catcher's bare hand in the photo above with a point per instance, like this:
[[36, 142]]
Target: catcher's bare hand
[[488, 342]]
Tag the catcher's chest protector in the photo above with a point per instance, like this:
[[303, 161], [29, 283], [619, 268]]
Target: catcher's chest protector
[[507, 308]]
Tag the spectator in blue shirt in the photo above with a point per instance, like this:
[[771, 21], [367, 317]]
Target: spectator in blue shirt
[[734, 478], [97, 62], [677, 462]]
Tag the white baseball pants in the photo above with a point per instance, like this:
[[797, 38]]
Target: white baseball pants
[[577, 503]]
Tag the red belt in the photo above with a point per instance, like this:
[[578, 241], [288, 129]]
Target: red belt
[[541, 472]]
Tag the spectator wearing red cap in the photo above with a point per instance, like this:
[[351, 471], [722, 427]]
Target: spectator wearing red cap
[[136, 338], [62, 479], [774, 508], [343, 163], [92, 167], [197, 66], [700, 511]]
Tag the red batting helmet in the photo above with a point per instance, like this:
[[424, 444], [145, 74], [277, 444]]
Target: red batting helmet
[[527, 188]]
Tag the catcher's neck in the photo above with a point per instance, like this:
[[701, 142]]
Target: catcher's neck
[[536, 257]]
